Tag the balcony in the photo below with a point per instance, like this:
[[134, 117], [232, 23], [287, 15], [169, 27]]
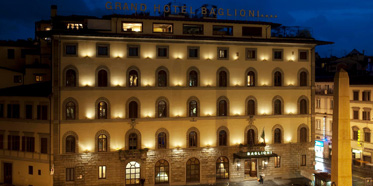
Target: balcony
[[292, 32]]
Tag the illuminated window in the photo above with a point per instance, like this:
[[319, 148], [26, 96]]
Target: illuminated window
[[193, 139], [222, 168], [162, 172], [277, 54], [70, 144], [251, 107], [277, 107], [133, 173], [303, 135], [133, 51], [162, 27], [193, 78], [162, 140], [223, 79], [251, 137], [162, 109], [193, 29], [133, 78], [303, 106], [74, 26], [303, 55], [223, 108], [132, 27], [70, 110], [192, 170], [193, 108], [103, 50], [102, 172], [277, 161], [102, 78], [40, 77], [251, 53], [193, 52], [162, 51], [277, 136], [251, 79], [162, 78], [223, 53], [102, 110], [222, 138], [132, 141], [222, 30], [133, 109], [252, 31], [71, 49], [102, 143], [70, 174], [70, 78], [303, 79], [277, 79], [303, 160]]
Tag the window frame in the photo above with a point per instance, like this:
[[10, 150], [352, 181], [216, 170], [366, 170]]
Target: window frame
[[203, 30], [303, 160], [172, 28], [220, 175], [216, 34], [222, 49], [299, 55], [137, 168], [102, 170], [356, 93], [65, 50], [277, 50], [247, 50], [198, 52], [129, 46], [167, 51], [158, 170], [98, 45], [142, 27]]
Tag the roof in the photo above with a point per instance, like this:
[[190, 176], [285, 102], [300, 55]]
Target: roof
[[43, 89], [354, 80], [18, 43]]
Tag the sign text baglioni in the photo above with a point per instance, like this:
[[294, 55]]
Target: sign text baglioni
[[184, 9], [259, 153]]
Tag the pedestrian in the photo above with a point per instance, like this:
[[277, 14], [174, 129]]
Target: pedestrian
[[261, 179]]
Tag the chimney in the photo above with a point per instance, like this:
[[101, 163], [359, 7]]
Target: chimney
[[53, 11]]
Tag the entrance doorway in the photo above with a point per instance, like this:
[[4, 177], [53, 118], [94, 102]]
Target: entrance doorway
[[8, 173], [251, 168]]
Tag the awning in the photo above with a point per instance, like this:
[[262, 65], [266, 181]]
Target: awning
[[248, 155]]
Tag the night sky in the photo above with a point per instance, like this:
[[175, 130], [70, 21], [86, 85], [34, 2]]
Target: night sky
[[347, 23]]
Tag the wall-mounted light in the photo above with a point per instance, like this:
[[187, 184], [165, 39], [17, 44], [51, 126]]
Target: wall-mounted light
[[238, 164]]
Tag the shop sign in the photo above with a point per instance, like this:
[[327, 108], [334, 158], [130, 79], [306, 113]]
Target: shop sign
[[319, 143], [259, 153]]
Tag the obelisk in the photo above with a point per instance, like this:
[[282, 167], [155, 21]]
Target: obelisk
[[341, 142]]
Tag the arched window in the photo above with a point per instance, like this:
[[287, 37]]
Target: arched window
[[102, 78], [222, 138], [303, 79], [132, 141], [102, 143], [193, 108], [277, 136], [70, 78], [70, 144], [277, 107], [133, 109], [162, 140], [251, 79], [162, 78], [193, 78], [223, 79], [367, 135], [222, 108], [303, 135], [133, 78], [303, 106], [251, 107], [133, 173], [192, 170], [162, 109], [277, 79], [222, 168], [102, 110], [162, 170], [251, 137], [193, 139], [70, 110]]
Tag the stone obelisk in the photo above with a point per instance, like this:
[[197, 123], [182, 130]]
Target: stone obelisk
[[341, 142]]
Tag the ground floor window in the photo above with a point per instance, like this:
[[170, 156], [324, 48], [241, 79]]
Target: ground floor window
[[161, 171], [277, 162], [133, 173], [192, 170], [102, 172], [222, 168]]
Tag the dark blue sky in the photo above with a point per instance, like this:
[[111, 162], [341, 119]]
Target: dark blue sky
[[347, 23]]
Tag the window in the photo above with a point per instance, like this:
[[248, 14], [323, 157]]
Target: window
[[223, 79], [162, 140], [70, 78], [356, 95], [162, 78], [11, 54], [303, 135], [193, 78], [192, 170], [102, 78], [74, 26], [162, 109], [277, 78], [366, 95], [367, 135], [331, 104], [193, 29], [1, 110], [222, 111], [39, 172], [44, 145], [133, 110], [102, 110], [303, 161], [250, 137], [28, 111], [251, 79], [193, 52], [277, 136], [223, 53], [251, 107], [303, 106], [356, 114], [132, 141], [133, 51], [162, 27], [132, 27], [103, 50], [277, 107], [251, 54], [13, 142], [318, 103], [71, 49], [252, 31], [102, 143], [13, 111], [222, 30], [30, 170], [277, 161], [222, 138], [193, 108], [40, 77], [222, 168], [162, 51], [70, 110], [70, 174], [70, 144], [133, 173], [318, 124], [102, 172], [193, 139], [366, 115], [133, 78], [42, 111], [303, 55], [17, 79], [162, 173], [277, 54], [28, 144], [303, 79]]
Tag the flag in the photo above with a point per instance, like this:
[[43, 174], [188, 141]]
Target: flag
[[263, 135]]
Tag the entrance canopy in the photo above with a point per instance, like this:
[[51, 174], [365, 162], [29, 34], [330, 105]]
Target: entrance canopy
[[257, 154]]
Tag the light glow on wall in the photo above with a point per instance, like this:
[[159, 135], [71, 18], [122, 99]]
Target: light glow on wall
[[208, 83], [86, 148], [291, 110], [177, 83], [87, 83], [288, 139], [87, 53], [148, 55], [264, 58], [236, 142], [264, 83], [149, 145], [89, 115], [264, 111], [178, 56], [291, 58], [147, 83], [119, 115], [236, 83], [208, 56], [117, 83]]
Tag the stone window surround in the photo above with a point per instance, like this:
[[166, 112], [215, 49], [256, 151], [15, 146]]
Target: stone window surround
[[167, 75], [102, 67], [67, 100], [167, 137], [217, 135], [218, 76], [70, 67], [198, 137], [162, 98]]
